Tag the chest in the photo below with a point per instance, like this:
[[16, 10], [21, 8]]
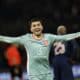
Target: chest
[[38, 48]]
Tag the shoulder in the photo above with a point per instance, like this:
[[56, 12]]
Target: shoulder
[[50, 35], [26, 35]]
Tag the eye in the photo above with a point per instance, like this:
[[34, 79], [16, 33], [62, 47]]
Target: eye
[[38, 24], [34, 25]]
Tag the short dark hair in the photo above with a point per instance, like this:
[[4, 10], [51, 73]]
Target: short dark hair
[[34, 20]]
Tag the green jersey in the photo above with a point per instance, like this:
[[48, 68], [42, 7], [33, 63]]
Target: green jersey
[[38, 52]]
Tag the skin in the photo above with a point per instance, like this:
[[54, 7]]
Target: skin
[[61, 30], [37, 29]]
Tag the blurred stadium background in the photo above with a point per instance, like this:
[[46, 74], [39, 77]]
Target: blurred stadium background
[[14, 15]]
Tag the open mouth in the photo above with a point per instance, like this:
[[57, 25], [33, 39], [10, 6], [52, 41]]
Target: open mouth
[[37, 30]]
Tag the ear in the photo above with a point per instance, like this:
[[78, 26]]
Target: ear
[[42, 28]]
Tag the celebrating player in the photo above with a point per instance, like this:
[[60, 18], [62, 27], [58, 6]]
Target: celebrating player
[[38, 46]]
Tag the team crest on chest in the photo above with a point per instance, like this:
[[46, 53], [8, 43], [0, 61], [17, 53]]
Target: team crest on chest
[[45, 42]]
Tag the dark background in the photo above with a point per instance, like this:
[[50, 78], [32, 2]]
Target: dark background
[[14, 15]]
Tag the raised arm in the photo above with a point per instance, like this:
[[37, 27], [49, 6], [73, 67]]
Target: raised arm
[[66, 37], [70, 36], [10, 39]]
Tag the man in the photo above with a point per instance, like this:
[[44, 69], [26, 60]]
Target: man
[[71, 46], [13, 57], [38, 46], [59, 57]]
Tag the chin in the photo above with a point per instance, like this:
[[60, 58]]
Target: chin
[[38, 33]]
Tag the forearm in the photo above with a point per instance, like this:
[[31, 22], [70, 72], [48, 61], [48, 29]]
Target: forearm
[[8, 39], [71, 36]]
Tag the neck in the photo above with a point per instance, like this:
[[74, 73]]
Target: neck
[[37, 37]]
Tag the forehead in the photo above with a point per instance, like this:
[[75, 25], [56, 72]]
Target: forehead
[[61, 27], [35, 22]]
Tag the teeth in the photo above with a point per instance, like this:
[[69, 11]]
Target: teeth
[[37, 30]]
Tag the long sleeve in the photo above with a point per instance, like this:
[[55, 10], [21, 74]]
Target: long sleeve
[[66, 37], [71, 36], [9, 39], [13, 39]]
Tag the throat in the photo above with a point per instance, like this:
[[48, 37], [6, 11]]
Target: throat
[[38, 37]]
